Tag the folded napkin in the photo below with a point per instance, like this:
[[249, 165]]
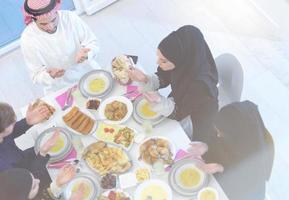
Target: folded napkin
[[132, 92], [62, 97], [67, 160]]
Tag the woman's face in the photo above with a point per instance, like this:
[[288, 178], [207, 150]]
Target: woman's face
[[34, 188], [163, 62]]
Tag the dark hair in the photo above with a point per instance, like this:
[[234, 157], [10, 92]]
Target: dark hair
[[7, 116]]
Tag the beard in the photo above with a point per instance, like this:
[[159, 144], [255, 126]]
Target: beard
[[52, 31]]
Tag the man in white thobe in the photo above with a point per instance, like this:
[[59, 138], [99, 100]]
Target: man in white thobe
[[58, 47]]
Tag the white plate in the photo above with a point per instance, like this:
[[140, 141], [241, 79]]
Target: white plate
[[100, 74], [45, 135], [118, 127], [139, 118], [153, 183], [93, 77], [213, 190], [139, 106], [88, 113], [172, 148], [186, 166], [122, 99], [106, 193], [89, 180], [173, 178]]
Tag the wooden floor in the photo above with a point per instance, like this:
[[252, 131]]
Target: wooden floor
[[240, 27]]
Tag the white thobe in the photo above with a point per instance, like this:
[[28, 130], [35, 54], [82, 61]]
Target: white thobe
[[42, 50]]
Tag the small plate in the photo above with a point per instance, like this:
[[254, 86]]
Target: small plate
[[89, 180], [145, 190], [57, 154], [140, 118], [104, 77], [176, 170], [122, 99]]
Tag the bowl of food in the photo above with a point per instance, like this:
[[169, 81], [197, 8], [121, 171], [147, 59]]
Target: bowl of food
[[61, 148], [143, 112], [108, 181], [96, 83], [189, 176], [142, 174], [156, 149], [91, 186], [116, 109], [120, 66], [115, 195], [208, 193], [186, 178], [153, 189]]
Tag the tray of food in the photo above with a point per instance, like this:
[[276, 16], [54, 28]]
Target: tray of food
[[117, 134], [79, 121], [104, 158]]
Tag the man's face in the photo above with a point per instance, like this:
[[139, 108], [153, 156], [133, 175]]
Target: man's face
[[6, 132], [48, 24]]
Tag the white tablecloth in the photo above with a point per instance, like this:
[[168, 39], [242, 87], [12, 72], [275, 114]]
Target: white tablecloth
[[168, 128]]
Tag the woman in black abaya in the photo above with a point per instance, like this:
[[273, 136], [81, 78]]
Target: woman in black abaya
[[187, 65]]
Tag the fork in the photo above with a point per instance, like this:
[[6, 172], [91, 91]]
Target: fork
[[67, 102]]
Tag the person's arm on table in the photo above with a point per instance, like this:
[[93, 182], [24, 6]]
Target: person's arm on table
[[40, 73]]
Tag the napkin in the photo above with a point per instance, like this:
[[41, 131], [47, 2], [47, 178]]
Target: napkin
[[179, 155], [69, 158], [133, 92], [62, 97]]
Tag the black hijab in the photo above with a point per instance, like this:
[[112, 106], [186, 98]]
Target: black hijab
[[189, 52], [15, 184]]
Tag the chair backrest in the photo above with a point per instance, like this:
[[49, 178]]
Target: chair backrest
[[230, 78]]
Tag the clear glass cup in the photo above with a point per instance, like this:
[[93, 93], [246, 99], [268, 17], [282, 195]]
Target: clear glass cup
[[78, 146], [147, 126], [158, 168]]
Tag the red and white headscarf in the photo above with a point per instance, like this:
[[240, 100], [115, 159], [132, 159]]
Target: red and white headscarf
[[37, 9]]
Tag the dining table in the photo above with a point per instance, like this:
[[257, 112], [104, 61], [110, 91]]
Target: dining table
[[168, 128]]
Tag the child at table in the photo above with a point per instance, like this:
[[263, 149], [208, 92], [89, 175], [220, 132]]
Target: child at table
[[20, 184], [10, 155], [187, 65]]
